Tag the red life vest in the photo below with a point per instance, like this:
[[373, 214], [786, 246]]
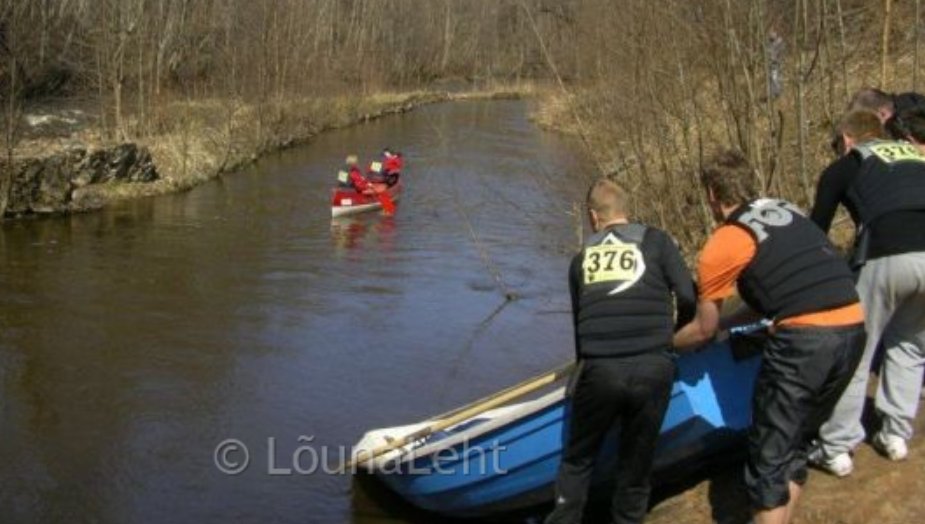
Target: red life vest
[[392, 164], [357, 179]]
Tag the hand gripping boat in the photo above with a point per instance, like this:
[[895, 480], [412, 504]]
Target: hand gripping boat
[[507, 458]]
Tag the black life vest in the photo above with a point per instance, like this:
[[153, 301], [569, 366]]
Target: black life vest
[[892, 178], [624, 302], [796, 270]]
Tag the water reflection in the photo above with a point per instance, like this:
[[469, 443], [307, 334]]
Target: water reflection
[[369, 231]]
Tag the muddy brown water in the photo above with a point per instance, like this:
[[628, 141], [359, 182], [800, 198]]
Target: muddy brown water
[[134, 340]]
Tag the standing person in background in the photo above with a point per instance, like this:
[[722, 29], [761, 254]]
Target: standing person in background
[[624, 285], [775, 48], [882, 184], [787, 271]]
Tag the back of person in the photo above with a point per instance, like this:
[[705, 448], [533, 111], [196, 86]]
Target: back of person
[[891, 179], [795, 270], [882, 183], [786, 270], [624, 299], [392, 166], [876, 179], [354, 177], [624, 285]]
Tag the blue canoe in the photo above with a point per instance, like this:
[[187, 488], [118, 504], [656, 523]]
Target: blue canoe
[[507, 458]]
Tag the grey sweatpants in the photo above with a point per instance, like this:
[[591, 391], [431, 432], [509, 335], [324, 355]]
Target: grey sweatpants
[[892, 291]]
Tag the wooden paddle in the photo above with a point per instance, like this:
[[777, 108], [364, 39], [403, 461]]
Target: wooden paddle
[[453, 417]]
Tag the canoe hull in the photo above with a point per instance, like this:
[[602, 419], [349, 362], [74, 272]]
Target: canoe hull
[[350, 202], [509, 461]]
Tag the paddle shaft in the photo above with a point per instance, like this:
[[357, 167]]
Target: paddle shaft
[[466, 412]]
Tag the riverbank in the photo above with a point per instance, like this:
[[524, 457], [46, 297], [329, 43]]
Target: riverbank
[[192, 142], [878, 491]]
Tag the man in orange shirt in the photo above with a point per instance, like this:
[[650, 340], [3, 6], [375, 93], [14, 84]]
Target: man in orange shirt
[[785, 270]]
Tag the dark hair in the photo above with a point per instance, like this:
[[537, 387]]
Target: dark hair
[[871, 99], [908, 100], [730, 177], [908, 124], [838, 143]]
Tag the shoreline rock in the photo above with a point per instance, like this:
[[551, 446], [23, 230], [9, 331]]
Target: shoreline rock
[[77, 179], [59, 183]]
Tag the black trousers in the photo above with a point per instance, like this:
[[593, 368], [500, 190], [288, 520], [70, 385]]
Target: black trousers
[[632, 392], [803, 374]]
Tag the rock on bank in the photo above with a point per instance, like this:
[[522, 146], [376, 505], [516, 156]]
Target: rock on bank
[[69, 180]]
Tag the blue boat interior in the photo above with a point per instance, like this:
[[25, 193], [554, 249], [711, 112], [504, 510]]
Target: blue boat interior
[[506, 466]]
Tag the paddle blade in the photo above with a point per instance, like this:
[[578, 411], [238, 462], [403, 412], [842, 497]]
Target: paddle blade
[[388, 205]]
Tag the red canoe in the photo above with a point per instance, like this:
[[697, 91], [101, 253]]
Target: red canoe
[[349, 201]]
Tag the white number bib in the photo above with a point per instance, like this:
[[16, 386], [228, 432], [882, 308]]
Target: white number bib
[[613, 261]]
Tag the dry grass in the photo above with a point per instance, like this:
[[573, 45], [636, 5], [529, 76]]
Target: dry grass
[[194, 141]]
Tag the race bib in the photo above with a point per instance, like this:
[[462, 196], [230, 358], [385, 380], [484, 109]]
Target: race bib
[[613, 261], [895, 152], [343, 177]]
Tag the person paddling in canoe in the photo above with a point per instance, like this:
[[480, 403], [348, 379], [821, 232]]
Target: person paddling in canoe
[[353, 178], [392, 164]]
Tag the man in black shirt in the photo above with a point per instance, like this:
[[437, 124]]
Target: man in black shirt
[[882, 184], [624, 285]]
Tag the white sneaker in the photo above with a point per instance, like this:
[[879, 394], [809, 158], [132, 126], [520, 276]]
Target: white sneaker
[[890, 445], [840, 465]]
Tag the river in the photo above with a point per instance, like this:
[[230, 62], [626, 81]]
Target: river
[[136, 339]]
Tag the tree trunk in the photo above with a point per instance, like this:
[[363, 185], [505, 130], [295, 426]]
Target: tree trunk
[[6, 182], [885, 42], [447, 35], [801, 97], [843, 49], [915, 48]]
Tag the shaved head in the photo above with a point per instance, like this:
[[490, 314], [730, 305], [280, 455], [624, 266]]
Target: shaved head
[[607, 199]]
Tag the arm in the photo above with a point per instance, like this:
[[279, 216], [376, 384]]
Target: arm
[[831, 190], [680, 281], [742, 315], [724, 256], [700, 330], [574, 276]]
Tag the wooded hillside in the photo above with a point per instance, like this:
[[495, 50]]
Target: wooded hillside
[[649, 86]]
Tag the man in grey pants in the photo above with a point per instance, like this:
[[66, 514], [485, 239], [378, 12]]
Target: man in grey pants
[[882, 184]]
